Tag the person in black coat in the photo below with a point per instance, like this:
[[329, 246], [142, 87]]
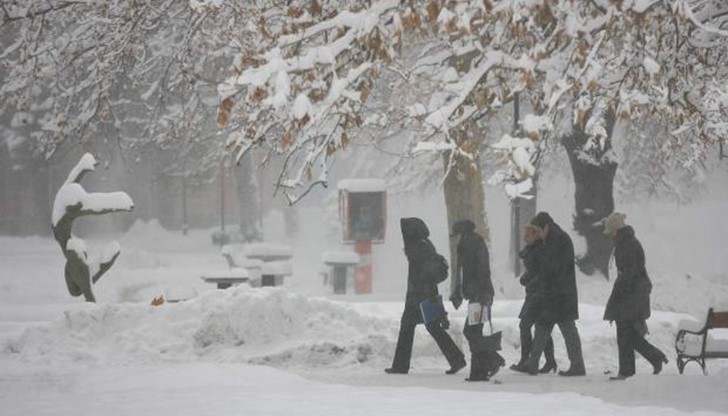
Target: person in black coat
[[629, 303], [532, 255], [418, 249], [560, 298], [473, 283]]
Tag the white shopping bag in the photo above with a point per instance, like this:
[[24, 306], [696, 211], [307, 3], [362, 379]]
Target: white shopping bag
[[476, 313]]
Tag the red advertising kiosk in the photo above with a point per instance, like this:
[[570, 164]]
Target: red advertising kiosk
[[363, 214]]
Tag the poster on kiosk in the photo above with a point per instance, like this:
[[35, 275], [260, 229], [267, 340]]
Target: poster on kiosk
[[363, 213]]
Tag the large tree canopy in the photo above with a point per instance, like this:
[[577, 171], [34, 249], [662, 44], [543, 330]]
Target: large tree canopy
[[579, 64], [296, 77]]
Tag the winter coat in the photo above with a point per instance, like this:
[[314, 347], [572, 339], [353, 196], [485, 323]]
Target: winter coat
[[418, 248], [473, 264], [532, 280], [560, 296], [630, 298]]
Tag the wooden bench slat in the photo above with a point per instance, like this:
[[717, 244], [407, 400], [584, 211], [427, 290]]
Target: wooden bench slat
[[716, 354], [720, 320]]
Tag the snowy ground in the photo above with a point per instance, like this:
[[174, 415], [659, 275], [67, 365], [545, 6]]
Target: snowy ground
[[300, 350]]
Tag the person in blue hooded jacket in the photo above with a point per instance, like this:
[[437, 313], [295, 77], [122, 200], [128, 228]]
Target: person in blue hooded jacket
[[419, 249]]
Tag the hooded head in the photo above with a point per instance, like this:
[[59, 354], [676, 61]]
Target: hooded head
[[543, 222], [541, 219], [413, 229], [613, 223], [462, 226]]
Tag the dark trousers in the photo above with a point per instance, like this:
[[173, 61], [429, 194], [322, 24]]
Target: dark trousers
[[629, 340], [571, 338], [525, 327], [483, 357], [410, 319]]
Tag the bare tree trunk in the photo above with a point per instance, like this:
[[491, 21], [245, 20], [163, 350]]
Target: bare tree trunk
[[246, 182], [464, 198], [594, 173]]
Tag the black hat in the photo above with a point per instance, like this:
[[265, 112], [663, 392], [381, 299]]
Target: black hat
[[462, 226], [541, 219]]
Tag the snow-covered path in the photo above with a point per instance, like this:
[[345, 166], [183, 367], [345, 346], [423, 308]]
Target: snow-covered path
[[236, 389]]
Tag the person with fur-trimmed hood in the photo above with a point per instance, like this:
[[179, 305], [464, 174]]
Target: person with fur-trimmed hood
[[418, 248], [629, 303], [473, 283]]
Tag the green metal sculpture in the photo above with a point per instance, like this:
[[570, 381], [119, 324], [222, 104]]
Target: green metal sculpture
[[72, 201]]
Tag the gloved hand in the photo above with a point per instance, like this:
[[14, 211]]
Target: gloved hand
[[444, 323], [456, 299], [486, 299]]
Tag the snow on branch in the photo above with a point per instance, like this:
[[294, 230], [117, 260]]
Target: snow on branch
[[440, 118], [363, 21], [682, 7]]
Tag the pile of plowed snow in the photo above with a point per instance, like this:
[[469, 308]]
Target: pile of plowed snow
[[276, 327], [267, 325]]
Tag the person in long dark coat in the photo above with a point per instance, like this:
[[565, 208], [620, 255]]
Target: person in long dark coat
[[474, 284], [531, 279], [418, 248], [629, 303], [560, 297]]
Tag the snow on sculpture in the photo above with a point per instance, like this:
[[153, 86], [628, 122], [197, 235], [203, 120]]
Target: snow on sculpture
[[72, 201]]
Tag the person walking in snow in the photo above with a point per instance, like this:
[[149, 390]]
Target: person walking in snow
[[419, 249], [560, 297], [531, 279], [629, 303], [473, 283]]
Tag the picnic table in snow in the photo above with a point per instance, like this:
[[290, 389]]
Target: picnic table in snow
[[263, 264], [227, 278]]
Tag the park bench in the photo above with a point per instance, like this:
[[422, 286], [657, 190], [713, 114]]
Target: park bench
[[694, 343]]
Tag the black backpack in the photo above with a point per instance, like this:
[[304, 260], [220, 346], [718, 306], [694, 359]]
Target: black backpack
[[435, 268]]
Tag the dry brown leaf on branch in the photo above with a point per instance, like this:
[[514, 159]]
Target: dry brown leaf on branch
[[158, 301], [330, 149], [223, 112], [295, 12], [315, 8], [260, 94], [433, 10], [287, 139]]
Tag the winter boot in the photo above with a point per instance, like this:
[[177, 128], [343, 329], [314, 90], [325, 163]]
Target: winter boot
[[478, 367], [573, 371], [548, 367]]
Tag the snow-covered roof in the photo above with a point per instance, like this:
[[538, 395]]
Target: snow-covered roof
[[362, 185], [277, 268], [340, 257], [267, 250], [234, 273]]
